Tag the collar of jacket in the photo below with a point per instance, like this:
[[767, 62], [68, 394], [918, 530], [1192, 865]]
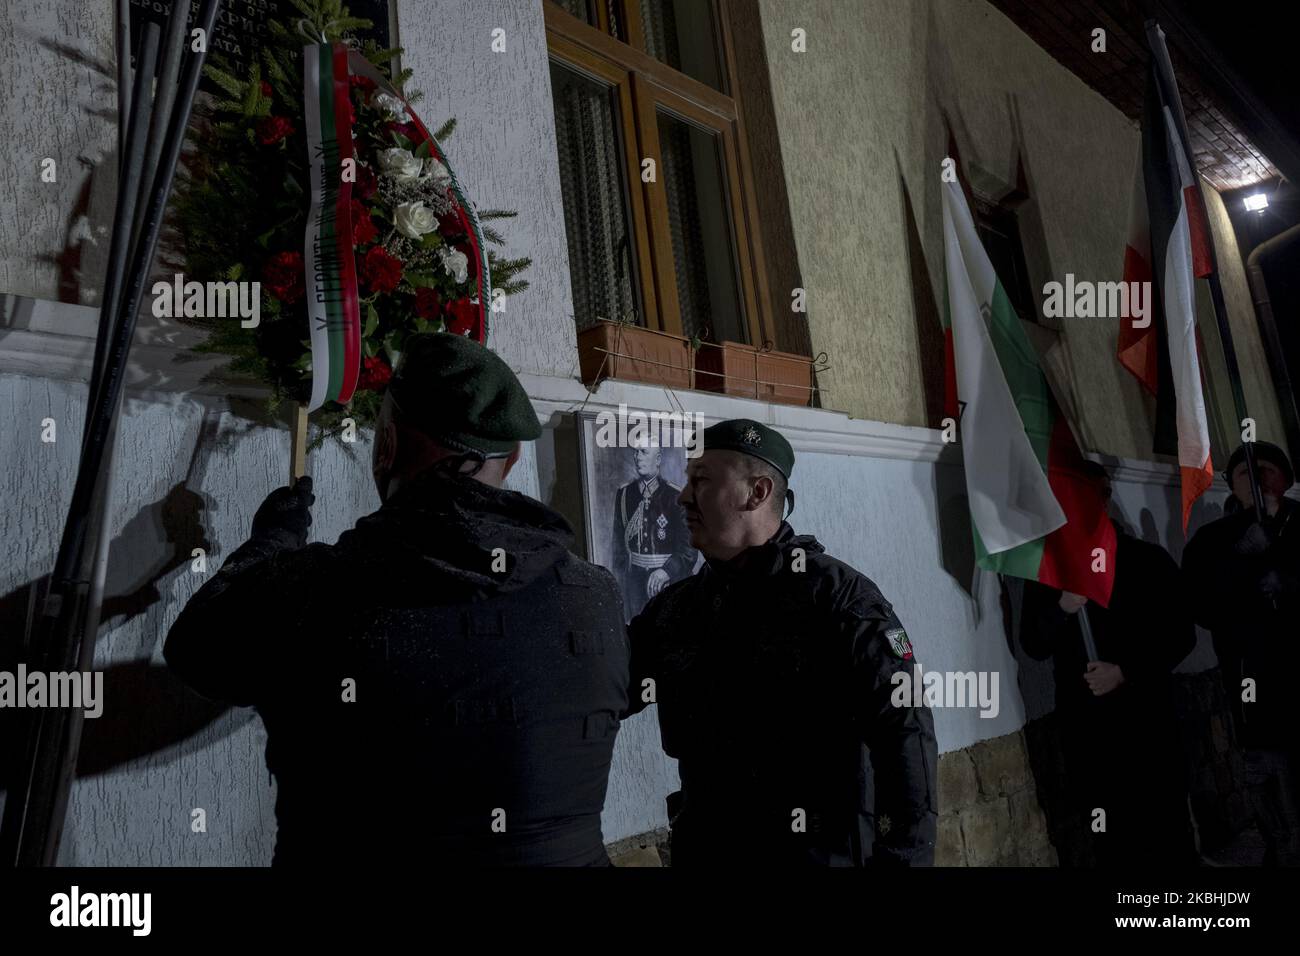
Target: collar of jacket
[[764, 560], [460, 496]]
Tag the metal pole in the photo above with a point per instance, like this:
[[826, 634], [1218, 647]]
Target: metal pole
[[24, 817], [122, 9], [1169, 85], [30, 830], [1085, 625]]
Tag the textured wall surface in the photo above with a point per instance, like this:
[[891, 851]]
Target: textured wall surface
[[1256, 380], [889, 80], [56, 64], [504, 151], [989, 807]]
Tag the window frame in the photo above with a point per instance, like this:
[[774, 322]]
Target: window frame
[[645, 86]]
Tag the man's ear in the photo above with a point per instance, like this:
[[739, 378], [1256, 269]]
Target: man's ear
[[760, 496]]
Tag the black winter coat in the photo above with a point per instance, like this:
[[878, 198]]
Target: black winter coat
[[772, 675], [487, 683], [1147, 630], [1246, 590]]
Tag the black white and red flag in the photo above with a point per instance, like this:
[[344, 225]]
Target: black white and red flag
[[1169, 246]]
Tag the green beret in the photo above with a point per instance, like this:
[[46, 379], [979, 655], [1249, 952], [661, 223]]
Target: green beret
[[754, 439], [461, 394]]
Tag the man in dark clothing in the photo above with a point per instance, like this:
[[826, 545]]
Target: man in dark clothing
[[444, 684], [772, 669], [1116, 714], [650, 545], [1243, 583]]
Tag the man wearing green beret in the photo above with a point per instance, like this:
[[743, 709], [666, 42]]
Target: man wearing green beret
[[772, 670], [442, 686]]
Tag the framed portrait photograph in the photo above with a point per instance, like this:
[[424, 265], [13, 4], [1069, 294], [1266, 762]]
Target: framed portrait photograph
[[634, 525]]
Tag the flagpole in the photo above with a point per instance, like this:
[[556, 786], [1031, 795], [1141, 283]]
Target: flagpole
[[298, 443], [1089, 643], [1165, 75]]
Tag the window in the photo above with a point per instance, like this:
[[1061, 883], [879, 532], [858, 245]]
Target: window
[[1000, 232], [660, 212]]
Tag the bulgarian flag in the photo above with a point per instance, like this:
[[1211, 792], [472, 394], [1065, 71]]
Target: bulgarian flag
[[1169, 246], [333, 311], [1034, 514]]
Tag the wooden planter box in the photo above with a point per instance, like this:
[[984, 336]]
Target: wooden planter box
[[616, 350], [736, 369]]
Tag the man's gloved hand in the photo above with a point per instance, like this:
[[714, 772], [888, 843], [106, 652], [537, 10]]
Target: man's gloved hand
[[284, 516], [1254, 540]]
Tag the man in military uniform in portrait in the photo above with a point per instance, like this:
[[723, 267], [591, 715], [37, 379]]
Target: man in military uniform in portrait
[[651, 545], [773, 668]]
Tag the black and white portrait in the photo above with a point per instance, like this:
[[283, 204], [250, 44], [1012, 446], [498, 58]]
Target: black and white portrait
[[635, 527]]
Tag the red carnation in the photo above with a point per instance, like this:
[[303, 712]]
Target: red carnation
[[428, 305], [366, 183], [363, 227], [283, 276], [462, 317], [375, 373], [266, 88], [273, 129], [409, 130], [362, 83], [380, 270], [450, 227]]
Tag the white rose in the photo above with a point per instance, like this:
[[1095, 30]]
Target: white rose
[[390, 104], [414, 219], [456, 263], [438, 172], [400, 164]]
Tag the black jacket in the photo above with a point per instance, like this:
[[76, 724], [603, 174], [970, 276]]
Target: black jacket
[[657, 535], [772, 671], [486, 701], [1244, 589], [1147, 630]]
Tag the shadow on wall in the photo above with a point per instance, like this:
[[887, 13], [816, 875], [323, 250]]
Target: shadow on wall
[[148, 710], [82, 260]]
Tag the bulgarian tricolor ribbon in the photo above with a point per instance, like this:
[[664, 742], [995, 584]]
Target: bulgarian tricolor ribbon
[[333, 313], [465, 213]]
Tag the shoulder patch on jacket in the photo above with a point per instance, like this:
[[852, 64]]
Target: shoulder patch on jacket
[[899, 643]]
